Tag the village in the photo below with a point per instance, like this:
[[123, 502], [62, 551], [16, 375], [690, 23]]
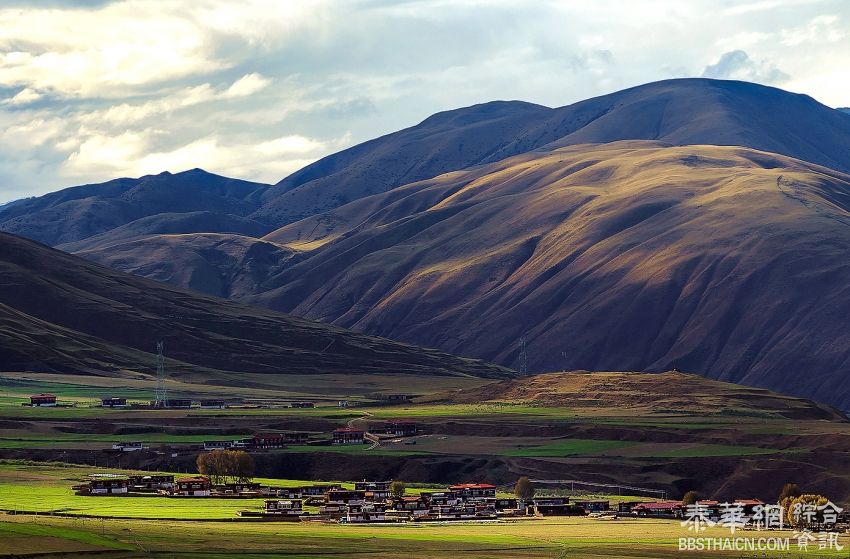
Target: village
[[388, 502]]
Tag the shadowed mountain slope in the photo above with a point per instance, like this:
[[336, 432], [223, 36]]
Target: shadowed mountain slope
[[61, 313], [728, 262], [80, 212], [679, 112]]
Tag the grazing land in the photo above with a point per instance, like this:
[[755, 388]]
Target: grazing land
[[609, 428], [186, 527]]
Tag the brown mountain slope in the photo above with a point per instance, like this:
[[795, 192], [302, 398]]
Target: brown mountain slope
[[679, 112], [641, 394], [61, 313], [231, 266], [728, 262]]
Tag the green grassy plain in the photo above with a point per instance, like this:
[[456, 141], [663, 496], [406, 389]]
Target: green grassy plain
[[210, 528]]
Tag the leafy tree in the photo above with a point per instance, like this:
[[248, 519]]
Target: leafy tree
[[223, 465], [243, 465], [524, 489], [794, 507], [690, 498], [397, 489], [790, 490]]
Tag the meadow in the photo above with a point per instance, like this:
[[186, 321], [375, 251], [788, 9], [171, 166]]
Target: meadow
[[124, 527]]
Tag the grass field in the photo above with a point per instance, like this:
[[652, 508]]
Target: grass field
[[210, 528]]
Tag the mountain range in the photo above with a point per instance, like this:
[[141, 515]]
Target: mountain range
[[693, 224], [60, 313]]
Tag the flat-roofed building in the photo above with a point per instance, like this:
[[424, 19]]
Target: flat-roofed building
[[108, 484], [43, 400], [113, 402], [196, 486], [349, 435]]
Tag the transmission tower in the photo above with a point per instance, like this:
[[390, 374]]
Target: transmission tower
[[161, 395], [523, 357]]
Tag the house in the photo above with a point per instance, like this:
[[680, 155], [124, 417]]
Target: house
[[179, 403], [749, 505], [239, 488], [43, 400], [627, 506], [505, 503], [197, 486], [401, 428], [345, 496], [474, 491], [303, 405], [369, 512], [553, 506], [376, 489], [128, 447], [592, 505], [398, 397], [349, 435], [411, 507], [218, 445], [660, 509], [107, 484], [113, 402], [289, 507], [277, 440], [151, 483], [442, 498], [213, 404]]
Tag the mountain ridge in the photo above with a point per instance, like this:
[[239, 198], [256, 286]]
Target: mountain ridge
[[61, 313]]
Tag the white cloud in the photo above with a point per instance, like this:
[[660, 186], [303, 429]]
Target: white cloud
[[247, 85], [258, 87], [23, 97], [737, 65], [821, 29]]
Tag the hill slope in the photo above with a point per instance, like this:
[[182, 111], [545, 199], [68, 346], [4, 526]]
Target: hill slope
[[642, 394], [80, 212], [728, 262], [679, 112], [62, 313]]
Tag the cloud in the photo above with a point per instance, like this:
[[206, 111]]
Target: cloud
[[247, 85], [737, 65], [90, 90], [23, 97], [821, 29]]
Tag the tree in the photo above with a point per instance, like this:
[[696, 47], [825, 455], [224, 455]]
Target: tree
[[690, 498], [790, 490], [524, 489], [801, 511], [397, 489], [243, 466], [223, 465]]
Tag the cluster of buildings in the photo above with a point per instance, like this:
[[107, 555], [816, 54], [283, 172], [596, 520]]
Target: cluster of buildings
[[372, 501]]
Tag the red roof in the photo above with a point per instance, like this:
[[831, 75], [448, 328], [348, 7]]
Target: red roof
[[43, 396], [708, 503], [665, 505], [473, 486], [749, 502]]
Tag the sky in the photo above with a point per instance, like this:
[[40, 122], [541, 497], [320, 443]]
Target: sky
[[256, 89]]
